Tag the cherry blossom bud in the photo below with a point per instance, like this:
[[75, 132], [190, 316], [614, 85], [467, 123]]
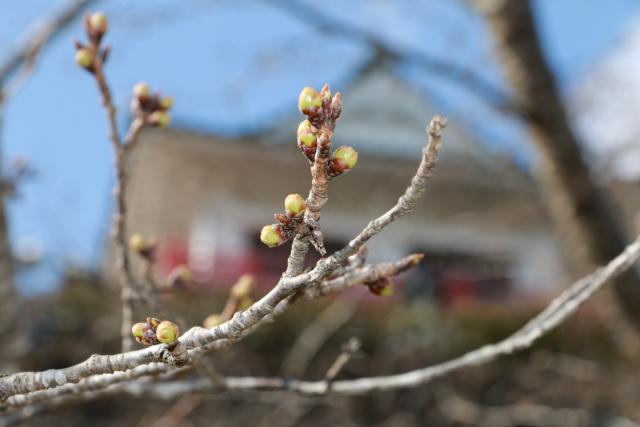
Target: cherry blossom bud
[[167, 332], [416, 258], [272, 235], [243, 287], [153, 322], [166, 102], [309, 101], [139, 329], [137, 242], [294, 205], [98, 24], [144, 333], [160, 119], [306, 135], [344, 159], [180, 276], [325, 93], [141, 90], [85, 58], [382, 287]]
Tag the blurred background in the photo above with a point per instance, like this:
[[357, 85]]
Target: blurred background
[[538, 182]]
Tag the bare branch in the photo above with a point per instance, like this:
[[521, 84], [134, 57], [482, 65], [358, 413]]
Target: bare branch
[[350, 348], [96, 382], [197, 338], [520, 340]]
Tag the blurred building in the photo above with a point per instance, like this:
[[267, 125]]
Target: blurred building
[[480, 224]]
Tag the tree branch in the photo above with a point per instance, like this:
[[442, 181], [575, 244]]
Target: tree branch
[[235, 328], [522, 339]]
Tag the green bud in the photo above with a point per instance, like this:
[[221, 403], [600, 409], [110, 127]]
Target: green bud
[[180, 276], [309, 101], [139, 329], [243, 286], [294, 205], [272, 235], [167, 332], [306, 134], [184, 273], [141, 90], [416, 258], [166, 102], [382, 287], [344, 158], [153, 322], [137, 242], [160, 118], [387, 290], [144, 333], [98, 23], [85, 57]]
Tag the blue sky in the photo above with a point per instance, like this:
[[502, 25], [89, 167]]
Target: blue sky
[[236, 68]]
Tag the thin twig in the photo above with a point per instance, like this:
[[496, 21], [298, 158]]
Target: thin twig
[[236, 327], [121, 151], [518, 341], [96, 382], [315, 335], [349, 349]]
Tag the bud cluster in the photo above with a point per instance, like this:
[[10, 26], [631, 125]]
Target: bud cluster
[[154, 331], [146, 248], [96, 26], [382, 287], [239, 300], [152, 107], [287, 224], [322, 111]]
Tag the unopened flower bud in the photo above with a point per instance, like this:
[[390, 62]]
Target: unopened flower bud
[[141, 90], [137, 242], [243, 286], [98, 24], [272, 235], [306, 134], [344, 159], [212, 321], [166, 102], [382, 287], [85, 58], [144, 333], [160, 119], [416, 258], [325, 93], [167, 332], [180, 276], [139, 329], [153, 322], [309, 101], [294, 205]]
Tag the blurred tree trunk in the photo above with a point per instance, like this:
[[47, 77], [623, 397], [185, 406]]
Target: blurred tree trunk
[[587, 221]]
